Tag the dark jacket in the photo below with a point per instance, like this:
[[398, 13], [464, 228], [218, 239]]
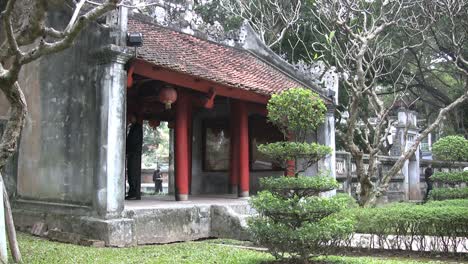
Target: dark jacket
[[135, 139], [157, 175], [428, 173]]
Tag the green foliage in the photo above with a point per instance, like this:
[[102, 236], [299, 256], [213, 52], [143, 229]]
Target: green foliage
[[283, 151], [448, 193], [40, 251], [293, 219], [451, 148], [315, 184], [453, 202], [300, 242], [155, 145], [450, 177], [411, 220], [296, 110], [298, 209]]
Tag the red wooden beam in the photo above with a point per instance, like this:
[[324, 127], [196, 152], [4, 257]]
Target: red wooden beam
[[149, 70]]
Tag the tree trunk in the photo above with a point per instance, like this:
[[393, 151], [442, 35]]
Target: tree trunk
[[11, 231], [8, 145], [382, 188], [10, 137]]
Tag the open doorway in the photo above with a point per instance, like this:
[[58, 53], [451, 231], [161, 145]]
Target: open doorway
[[148, 141], [155, 159]]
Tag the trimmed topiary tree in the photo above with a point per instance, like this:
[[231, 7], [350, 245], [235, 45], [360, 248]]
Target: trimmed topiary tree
[[449, 184], [294, 219], [451, 148]]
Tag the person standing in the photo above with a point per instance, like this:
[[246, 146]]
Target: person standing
[[157, 178], [427, 176], [133, 151]]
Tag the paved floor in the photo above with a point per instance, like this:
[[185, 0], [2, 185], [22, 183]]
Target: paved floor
[[168, 201]]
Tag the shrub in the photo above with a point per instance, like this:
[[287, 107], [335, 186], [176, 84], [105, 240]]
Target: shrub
[[294, 220], [450, 177], [308, 153], [451, 148], [409, 224], [448, 193], [453, 202], [293, 185], [296, 110]]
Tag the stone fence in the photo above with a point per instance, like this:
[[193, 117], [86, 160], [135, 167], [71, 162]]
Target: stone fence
[[408, 184]]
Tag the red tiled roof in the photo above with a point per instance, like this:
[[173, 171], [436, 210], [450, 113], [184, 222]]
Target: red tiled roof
[[208, 60]]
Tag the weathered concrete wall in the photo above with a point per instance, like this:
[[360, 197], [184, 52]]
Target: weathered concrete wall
[[204, 182], [59, 141]]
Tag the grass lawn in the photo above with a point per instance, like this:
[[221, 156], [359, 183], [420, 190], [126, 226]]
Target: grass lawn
[[36, 250]]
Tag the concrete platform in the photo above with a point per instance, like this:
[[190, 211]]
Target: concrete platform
[[161, 219], [168, 201], [152, 220]]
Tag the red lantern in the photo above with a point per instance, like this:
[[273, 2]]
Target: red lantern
[[167, 96]]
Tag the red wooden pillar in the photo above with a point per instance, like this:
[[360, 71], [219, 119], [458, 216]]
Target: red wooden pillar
[[182, 124], [190, 135], [243, 134], [234, 152]]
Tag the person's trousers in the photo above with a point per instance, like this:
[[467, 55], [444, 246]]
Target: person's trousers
[[158, 186], [134, 174]]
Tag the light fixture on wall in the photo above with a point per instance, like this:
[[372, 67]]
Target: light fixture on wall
[[134, 40]]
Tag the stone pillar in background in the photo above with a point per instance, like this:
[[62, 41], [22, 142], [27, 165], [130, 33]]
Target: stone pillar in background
[[326, 136], [410, 169], [109, 182]]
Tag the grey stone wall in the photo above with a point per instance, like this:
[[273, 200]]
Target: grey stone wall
[[346, 176], [57, 158], [400, 186]]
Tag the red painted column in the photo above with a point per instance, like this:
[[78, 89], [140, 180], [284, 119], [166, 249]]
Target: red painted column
[[234, 152], [190, 134], [243, 146], [181, 146]]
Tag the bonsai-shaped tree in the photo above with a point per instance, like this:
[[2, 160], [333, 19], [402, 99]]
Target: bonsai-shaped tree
[[449, 184], [293, 217]]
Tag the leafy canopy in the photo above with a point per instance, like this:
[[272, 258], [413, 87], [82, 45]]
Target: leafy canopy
[[296, 110], [451, 148]]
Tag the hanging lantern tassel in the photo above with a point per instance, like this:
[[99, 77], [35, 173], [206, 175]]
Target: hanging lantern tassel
[[167, 96]]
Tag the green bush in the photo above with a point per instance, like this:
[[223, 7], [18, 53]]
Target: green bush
[[296, 110], [293, 219], [316, 184], [453, 202], [420, 227], [284, 151], [410, 220], [300, 241], [448, 193], [450, 177], [451, 148], [298, 209]]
